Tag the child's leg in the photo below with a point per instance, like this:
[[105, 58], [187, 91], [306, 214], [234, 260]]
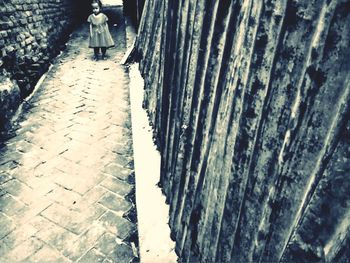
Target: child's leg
[[103, 49], [96, 51]]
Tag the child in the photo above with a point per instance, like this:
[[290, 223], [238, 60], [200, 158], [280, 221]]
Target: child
[[100, 37]]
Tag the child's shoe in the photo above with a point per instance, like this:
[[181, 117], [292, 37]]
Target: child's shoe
[[104, 57], [95, 58]]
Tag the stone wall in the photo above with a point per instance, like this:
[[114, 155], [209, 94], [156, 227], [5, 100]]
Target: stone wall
[[250, 101], [32, 32]]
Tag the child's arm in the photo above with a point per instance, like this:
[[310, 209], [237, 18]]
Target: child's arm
[[90, 25]]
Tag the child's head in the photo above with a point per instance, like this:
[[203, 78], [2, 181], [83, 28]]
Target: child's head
[[96, 7]]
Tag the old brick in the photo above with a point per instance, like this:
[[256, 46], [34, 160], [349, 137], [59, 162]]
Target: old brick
[[23, 21], [3, 34], [4, 25]]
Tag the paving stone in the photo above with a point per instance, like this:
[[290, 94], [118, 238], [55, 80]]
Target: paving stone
[[2, 192], [64, 217], [28, 212], [107, 243], [122, 253], [39, 222], [42, 185], [93, 195], [24, 250], [122, 160], [117, 225], [63, 196], [80, 184], [30, 197], [47, 167], [7, 165], [117, 186], [92, 256], [5, 177], [92, 158], [85, 241], [33, 159], [115, 202], [6, 225], [123, 149], [11, 160], [17, 236], [9, 205], [56, 236], [117, 170], [4, 249], [89, 211], [47, 254], [15, 187]]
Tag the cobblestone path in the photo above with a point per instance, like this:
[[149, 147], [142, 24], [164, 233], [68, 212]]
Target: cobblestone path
[[66, 169]]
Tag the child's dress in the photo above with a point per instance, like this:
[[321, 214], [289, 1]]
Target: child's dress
[[101, 37]]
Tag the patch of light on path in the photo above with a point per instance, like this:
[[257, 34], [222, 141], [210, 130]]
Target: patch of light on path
[[112, 2], [154, 232]]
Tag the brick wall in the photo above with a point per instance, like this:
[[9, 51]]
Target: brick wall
[[32, 32], [250, 101]]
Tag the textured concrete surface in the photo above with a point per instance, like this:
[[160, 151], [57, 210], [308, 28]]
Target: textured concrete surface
[[66, 167]]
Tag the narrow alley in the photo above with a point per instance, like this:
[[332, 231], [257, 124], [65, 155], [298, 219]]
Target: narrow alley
[[67, 183], [213, 131]]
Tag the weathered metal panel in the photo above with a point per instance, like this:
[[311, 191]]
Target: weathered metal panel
[[250, 103]]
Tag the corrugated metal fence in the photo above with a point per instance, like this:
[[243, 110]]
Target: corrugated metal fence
[[250, 103]]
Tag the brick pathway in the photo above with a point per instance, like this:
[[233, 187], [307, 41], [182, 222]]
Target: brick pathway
[[66, 170]]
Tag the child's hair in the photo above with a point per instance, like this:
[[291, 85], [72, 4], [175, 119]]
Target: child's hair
[[97, 2]]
